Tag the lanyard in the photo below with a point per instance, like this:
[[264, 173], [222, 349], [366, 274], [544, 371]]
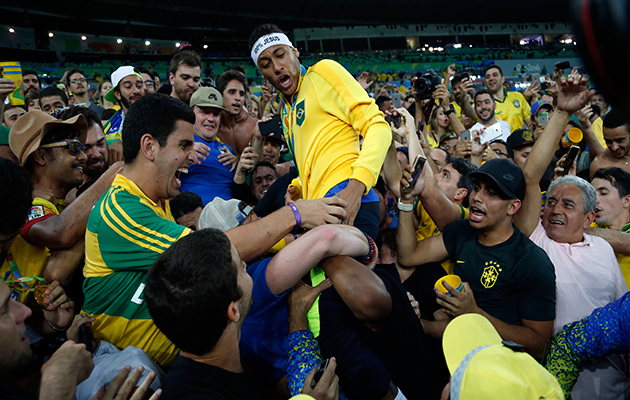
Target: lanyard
[[18, 277], [288, 117]]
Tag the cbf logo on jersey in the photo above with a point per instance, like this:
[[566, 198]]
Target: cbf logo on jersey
[[490, 274], [300, 113], [516, 103]]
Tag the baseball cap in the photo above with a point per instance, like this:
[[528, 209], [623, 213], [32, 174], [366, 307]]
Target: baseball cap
[[118, 76], [26, 134], [447, 136], [520, 137], [537, 105], [507, 175], [485, 367], [223, 214], [207, 97]]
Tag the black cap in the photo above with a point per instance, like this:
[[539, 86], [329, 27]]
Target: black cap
[[507, 175], [521, 137]]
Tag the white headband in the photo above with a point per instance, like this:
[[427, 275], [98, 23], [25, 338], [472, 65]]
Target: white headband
[[264, 42]]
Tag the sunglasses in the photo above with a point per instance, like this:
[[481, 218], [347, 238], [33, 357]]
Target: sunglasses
[[74, 147]]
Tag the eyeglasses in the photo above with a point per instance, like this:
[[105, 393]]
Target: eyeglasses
[[74, 147], [75, 81], [498, 152], [149, 83]]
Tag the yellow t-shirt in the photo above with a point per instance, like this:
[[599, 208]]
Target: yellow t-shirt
[[598, 130], [322, 123], [29, 259], [427, 228], [514, 109]]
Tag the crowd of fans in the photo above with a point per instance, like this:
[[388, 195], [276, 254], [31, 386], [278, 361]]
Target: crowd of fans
[[181, 241]]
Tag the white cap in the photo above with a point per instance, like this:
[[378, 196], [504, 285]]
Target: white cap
[[117, 76]]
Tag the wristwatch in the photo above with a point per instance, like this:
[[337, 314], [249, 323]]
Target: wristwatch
[[450, 110], [404, 207]]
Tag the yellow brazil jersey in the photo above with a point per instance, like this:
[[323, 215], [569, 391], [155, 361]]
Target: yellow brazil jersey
[[427, 228], [27, 259], [624, 260], [322, 123], [514, 109], [598, 130], [125, 234]]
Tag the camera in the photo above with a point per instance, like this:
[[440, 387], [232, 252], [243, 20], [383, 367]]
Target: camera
[[426, 83]]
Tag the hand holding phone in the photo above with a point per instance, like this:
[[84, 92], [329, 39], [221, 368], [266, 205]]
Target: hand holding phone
[[568, 162], [418, 164]]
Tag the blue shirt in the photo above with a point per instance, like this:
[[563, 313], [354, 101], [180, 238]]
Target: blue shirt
[[209, 179], [266, 327]]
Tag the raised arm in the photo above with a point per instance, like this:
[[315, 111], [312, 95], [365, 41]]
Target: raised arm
[[299, 257], [620, 241], [65, 230], [573, 95]]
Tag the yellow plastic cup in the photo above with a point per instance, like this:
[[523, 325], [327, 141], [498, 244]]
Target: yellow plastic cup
[[453, 280], [574, 136]]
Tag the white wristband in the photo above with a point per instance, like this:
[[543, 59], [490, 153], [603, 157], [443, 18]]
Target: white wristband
[[404, 207]]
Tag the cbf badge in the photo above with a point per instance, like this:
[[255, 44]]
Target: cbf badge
[[490, 274], [516, 103], [300, 113]]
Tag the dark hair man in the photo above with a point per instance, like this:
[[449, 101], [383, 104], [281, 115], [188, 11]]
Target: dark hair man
[[263, 176], [384, 103], [238, 128], [493, 258], [185, 74], [131, 225], [587, 272], [512, 107], [148, 80], [11, 114], [127, 88], [612, 214], [213, 281], [323, 130], [30, 80], [485, 107], [210, 177], [94, 147], [78, 85], [617, 137], [52, 99], [186, 208]]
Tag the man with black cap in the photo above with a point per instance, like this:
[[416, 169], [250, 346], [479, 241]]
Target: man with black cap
[[212, 175], [507, 278], [521, 142]]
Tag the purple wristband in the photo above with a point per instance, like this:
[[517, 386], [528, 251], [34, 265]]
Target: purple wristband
[[298, 218]]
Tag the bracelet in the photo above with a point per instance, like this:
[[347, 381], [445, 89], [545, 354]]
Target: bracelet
[[55, 328], [369, 257], [404, 207], [298, 218]]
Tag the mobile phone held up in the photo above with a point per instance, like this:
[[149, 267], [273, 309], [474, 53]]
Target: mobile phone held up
[[418, 164], [568, 162], [465, 135], [320, 371], [274, 125]]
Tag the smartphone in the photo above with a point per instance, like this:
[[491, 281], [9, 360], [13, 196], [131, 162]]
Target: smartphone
[[465, 135], [534, 78], [85, 337], [417, 170], [465, 75], [272, 126], [563, 65], [543, 118], [571, 156], [13, 70], [491, 133], [320, 371]]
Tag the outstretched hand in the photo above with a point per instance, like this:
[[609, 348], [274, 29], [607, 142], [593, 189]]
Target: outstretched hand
[[574, 92], [363, 80]]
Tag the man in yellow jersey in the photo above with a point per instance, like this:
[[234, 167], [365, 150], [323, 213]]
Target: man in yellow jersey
[[512, 107], [612, 214], [52, 152], [452, 183], [324, 110]]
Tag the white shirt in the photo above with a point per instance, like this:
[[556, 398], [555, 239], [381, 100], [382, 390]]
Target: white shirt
[[505, 129], [587, 275]]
